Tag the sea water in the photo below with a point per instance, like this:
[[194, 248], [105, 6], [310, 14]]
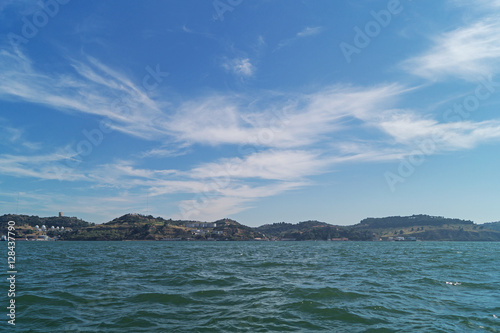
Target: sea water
[[257, 287]]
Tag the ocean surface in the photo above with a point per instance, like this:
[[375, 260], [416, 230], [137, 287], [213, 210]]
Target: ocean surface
[[256, 287]]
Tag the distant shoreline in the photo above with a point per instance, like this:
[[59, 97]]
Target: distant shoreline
[[135, 227]]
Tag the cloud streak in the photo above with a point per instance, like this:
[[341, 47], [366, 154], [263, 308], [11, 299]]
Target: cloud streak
[[92, 88], [469, 53], [306, 32], [281, 140], [240, 67]]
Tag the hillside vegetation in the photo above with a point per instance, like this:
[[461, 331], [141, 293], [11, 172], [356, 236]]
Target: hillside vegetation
[[492, 226], [425, 227], [313, 230], [25, 224], [147, 227], [141, 227]]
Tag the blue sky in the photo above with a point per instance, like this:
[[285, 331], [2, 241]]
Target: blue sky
[[262, 111]]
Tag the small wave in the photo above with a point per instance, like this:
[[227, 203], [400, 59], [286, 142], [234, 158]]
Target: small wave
[[325, 293], [176, 299]]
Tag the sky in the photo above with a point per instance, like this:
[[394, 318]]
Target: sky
[[261, 111]]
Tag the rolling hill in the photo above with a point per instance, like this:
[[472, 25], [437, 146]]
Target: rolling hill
[[142, 227]]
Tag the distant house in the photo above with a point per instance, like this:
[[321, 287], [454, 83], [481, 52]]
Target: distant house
[[37, 238], [400, 238], [201, 225]]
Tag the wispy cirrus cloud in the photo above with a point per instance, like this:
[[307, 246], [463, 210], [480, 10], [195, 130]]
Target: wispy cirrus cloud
[[92, 88], [15, 138], [239, 66], [279, 120], [214, 190], [306, 32], [286, 138], [309, 31], [479, 4], [164, 152], [230, 200], [409, 128], [468, 53], [274, 165], [93, 208], [271, 120], [43, 167]]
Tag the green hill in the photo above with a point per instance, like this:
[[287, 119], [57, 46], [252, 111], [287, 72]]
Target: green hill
[[312, 230], [129, 227], [141, 227], [410, 221], [492, 226], [26, 220], [233, 230], [147, 227], [425, 227], [25, 224]]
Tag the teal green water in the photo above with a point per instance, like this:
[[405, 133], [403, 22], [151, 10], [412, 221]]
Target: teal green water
[[257, 287]]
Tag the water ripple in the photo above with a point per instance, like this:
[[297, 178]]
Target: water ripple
[[258, 287]]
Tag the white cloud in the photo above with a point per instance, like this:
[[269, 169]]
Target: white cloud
[[478, 4], [15, 138], [52, 166], [275, 165], [290, 121], [232, 200], [409, 129], [469, 53], [306, 32], [92, 88], [210, 209], [284, 139], [164, 152], [309, 31], [270, 120], [239, 66], [93, 208]]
